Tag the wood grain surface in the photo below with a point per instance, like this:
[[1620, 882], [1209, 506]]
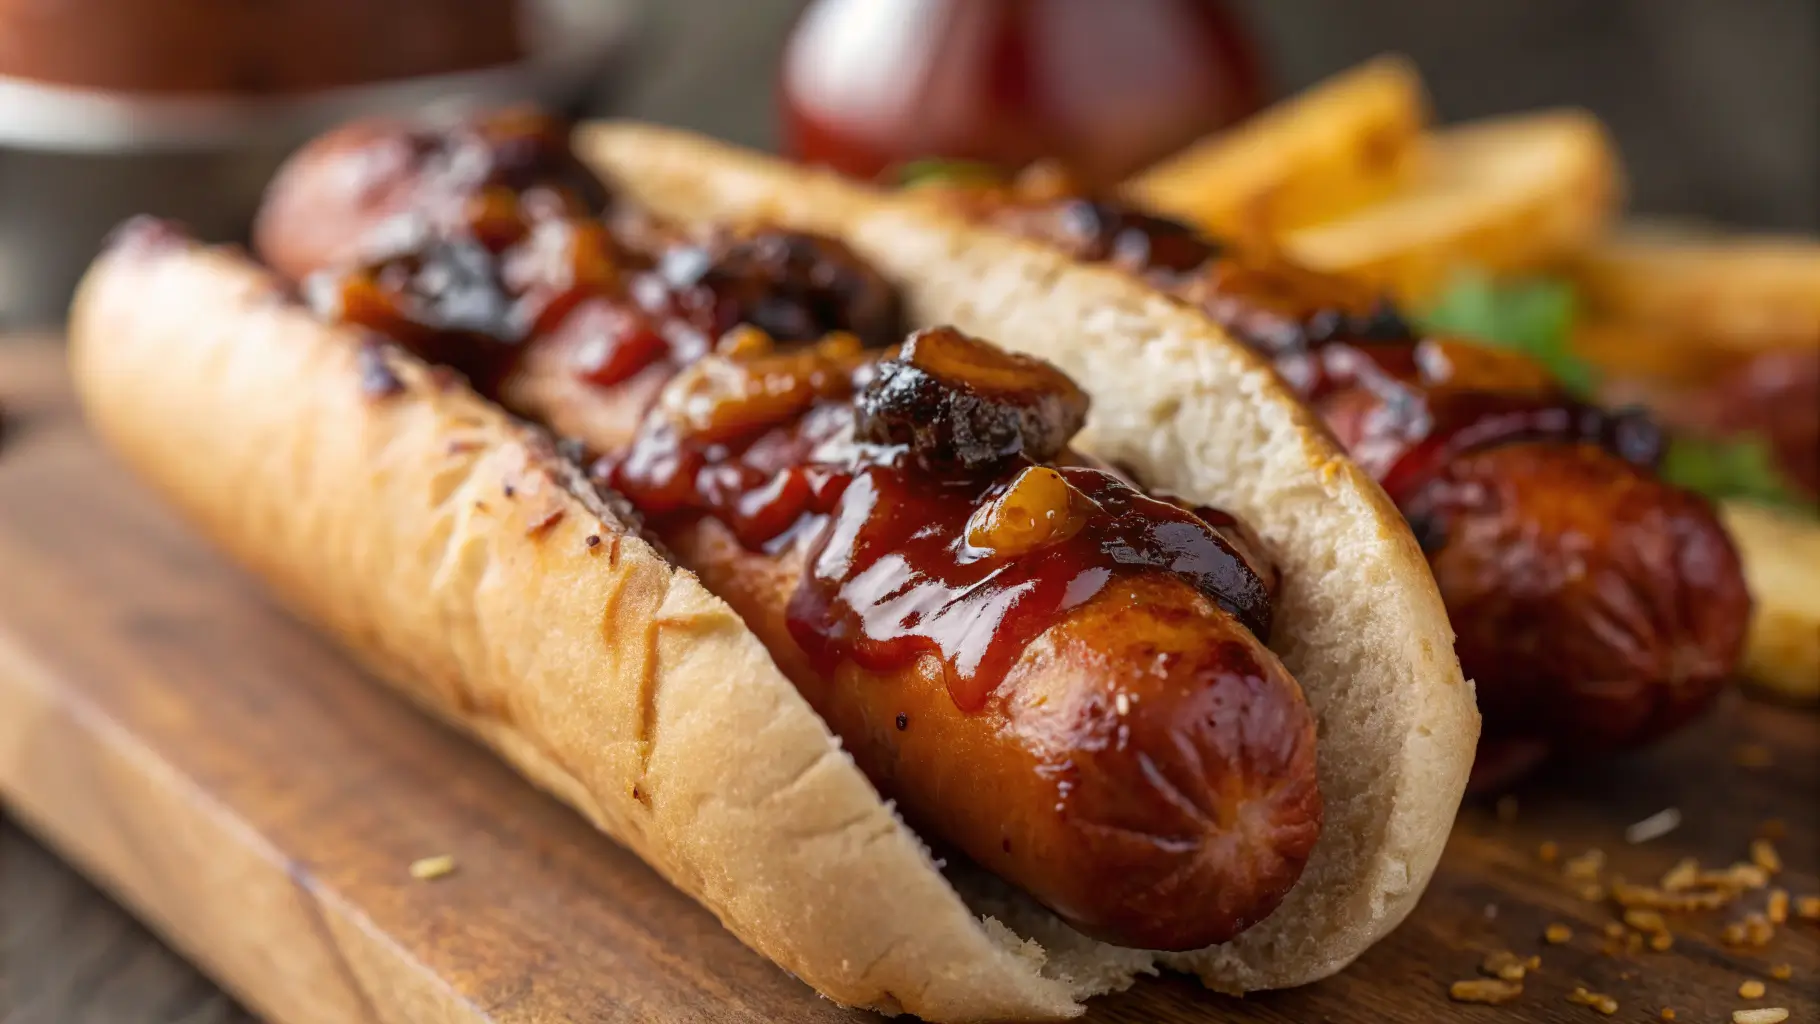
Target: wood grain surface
[[255, 800]]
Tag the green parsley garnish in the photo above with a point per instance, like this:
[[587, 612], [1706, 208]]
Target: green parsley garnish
[[1534, 317], [1739, 468]]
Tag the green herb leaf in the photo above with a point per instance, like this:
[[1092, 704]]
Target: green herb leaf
[[1535, 317], [957, 172], [1742, 468]]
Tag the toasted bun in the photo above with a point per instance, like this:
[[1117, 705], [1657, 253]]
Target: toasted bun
[[1362, 624], [613, 679]]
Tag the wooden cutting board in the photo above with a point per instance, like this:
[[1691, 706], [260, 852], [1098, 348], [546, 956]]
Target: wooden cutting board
[[240, 786]]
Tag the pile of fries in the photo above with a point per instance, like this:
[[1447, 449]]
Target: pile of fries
[[1352, 177]]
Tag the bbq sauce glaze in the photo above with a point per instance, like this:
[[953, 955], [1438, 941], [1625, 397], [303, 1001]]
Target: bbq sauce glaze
[[1403, 405], [932, 519]]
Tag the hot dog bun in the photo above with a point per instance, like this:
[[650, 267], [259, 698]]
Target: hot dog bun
[[450, 551], [1192, 412]]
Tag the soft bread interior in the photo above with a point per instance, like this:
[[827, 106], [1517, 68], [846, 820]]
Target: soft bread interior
[[1361, 623], [459, 560]]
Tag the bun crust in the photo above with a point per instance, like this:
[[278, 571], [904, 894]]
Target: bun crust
[[449, 550]]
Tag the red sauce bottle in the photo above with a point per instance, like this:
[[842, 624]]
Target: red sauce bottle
[[1107, 86]]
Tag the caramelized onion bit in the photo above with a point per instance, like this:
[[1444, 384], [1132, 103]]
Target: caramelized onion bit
[[958, 403]]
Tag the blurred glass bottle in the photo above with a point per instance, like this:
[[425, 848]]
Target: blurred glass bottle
[[1107, 86]]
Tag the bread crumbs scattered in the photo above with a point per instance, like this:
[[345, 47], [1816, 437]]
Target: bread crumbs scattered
[[1503, 964], [1684, 875], [1493, 991], [1533, 964], [1614, 930], [1807, 908], [431, 868], [1782, 972], [1593, 892], [1597, 1000], [1763, 854], [1767, 1015], [1777, 909], [1557, 934], [1661, 941], [1668, 1013], [1644, 920], [1752, 989], [1586, 867]]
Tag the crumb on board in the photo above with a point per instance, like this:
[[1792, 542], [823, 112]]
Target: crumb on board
[[1763, 854], [1593, 892], [1777, 908], [1548, 851], [1557, 934], [1614, 930], [1807, 908], [1782, 972], [1661, 942], [1503, 964], [427, 869], [1533, 964], [1751, 988], [1586, 867], [1668, 1013], [1766, 1015], [1492, 991], [1645, 920], [1684, 875], [1597, 1000]]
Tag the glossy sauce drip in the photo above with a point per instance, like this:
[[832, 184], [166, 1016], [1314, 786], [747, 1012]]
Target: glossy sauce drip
[[893, 578], [909, 557], [1392, 398]]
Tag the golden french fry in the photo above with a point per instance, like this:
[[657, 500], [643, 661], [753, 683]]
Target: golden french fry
[[1781, 555], [1505, 195], [1341, 145], [1702, 289]]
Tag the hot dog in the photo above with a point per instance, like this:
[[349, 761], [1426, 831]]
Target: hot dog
[[1596, 606], [1063, 677]]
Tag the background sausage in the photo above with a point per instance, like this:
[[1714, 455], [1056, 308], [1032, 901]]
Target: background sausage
[[1595, 605]]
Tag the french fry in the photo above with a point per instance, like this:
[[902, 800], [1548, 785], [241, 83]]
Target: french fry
[[1781, 555], [1701, 289], [1341, 145], [1505, 195]]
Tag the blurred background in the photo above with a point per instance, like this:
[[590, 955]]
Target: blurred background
[[112, 106]]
